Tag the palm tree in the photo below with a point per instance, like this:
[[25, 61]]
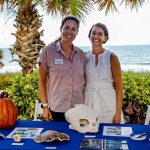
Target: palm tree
[[28, 22], [1, 56]]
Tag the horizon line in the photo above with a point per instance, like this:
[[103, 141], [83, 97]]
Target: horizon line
[[104, 45]]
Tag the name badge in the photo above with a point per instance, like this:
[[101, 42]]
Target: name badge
[[58, 61]]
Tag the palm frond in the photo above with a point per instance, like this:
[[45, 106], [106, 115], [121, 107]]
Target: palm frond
[[108, 5], [79, 8], [8, 4], [134, 3], [37, 2], [76, 8], [53, 6]]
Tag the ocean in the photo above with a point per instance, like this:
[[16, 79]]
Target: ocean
[[132, 58]]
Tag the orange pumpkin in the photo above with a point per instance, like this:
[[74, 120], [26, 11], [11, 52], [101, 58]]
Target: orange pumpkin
[[8, 111]]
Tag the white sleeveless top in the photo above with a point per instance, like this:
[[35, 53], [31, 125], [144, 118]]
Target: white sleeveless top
[[99, 92], [101, 71]]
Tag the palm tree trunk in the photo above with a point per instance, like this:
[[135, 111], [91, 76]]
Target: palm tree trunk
[[28, 43], [26, 5]]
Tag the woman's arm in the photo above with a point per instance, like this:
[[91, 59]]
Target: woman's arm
[[117, 77], [42, 91], [42, 84]]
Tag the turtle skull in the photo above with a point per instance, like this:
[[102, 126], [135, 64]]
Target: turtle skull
[[83, 119]]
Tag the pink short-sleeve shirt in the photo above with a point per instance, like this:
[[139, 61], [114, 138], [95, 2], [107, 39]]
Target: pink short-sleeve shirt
[[65, 77]]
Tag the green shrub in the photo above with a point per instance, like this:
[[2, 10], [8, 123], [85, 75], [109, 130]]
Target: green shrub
[[136, 86], [24, 92], [5, 80]]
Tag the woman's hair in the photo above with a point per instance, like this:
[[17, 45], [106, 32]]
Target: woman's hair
[[70, 18], [63, 22], [104, 28]]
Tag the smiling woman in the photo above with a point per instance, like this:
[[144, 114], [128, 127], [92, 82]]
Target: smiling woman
[[61, 73], [102, 70]]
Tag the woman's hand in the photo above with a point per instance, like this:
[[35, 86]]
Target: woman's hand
[[117, 118], [47, 114]]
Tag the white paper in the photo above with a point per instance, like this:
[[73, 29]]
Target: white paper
[[25, 132], [117, 131], [90, 136], [50, 147], [20, 144]]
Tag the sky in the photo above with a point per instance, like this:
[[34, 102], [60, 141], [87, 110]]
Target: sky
[[126, 27]]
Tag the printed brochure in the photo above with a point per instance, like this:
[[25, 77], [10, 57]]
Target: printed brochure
[[25, 132]]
